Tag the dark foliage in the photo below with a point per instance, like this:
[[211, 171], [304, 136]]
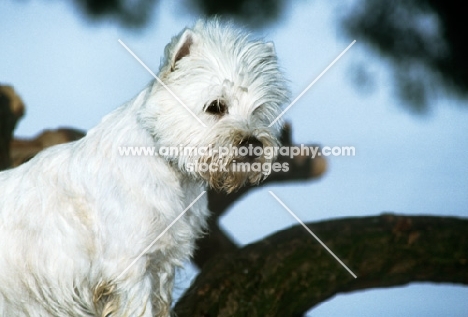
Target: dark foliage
[[424, 40]]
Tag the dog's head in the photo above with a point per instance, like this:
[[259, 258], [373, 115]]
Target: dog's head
[[222, 91]]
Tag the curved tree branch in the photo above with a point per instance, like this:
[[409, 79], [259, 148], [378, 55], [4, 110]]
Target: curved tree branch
[[288, 272]]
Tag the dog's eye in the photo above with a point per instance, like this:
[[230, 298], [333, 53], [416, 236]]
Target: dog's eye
[[217, 107]]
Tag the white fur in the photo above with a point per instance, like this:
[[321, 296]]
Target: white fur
[[75, 216]]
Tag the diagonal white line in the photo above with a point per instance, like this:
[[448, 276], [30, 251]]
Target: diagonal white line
[[312, 83], [160, 81], [160, 235], [313, 235]]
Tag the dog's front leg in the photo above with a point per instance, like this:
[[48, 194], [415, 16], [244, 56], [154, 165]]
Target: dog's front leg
[[126, 300], [164, 274]]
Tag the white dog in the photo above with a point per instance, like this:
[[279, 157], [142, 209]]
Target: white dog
[[78, 223]]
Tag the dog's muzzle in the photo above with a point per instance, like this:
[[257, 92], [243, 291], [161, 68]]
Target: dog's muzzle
[[252, 147]]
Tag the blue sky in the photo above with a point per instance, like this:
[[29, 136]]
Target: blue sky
[[70, 72]]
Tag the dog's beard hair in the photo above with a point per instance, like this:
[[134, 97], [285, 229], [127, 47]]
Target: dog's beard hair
[[231, 179]]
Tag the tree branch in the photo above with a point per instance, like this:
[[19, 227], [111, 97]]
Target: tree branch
[[11, 110], [288, 272]]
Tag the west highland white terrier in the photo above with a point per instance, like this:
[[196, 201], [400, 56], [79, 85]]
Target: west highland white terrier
[[86, 230]]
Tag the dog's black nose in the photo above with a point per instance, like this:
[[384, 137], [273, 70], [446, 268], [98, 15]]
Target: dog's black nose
[[250, 149]]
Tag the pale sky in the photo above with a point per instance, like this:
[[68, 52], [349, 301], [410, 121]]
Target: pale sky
[[71, 73]]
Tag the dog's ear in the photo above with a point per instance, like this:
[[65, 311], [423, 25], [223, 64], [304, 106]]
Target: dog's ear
[[182, 48], [271, 47]]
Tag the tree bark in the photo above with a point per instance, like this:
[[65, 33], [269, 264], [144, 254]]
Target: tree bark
[[11, 110], [289, 272]]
